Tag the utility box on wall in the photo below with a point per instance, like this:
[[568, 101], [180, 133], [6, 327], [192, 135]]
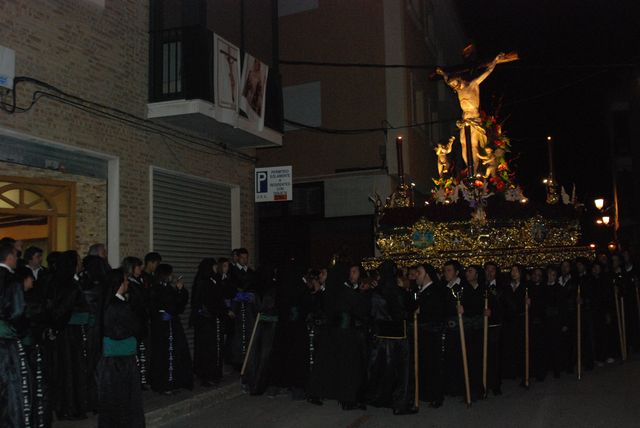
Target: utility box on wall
[[7, 67]]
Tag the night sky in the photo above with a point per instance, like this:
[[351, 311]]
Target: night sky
[[570, 53]]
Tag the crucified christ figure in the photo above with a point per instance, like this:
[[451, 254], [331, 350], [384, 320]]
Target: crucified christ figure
[[469, 98]]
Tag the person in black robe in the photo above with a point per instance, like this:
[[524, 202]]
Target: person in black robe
[[320, 369], [390, 369], [15, 393], [431, 305], [494, 358], [95, 270], [620, 282], [139, 300], [209, 313], [555, 323], [587, 288], [71, 318], [257, 373], [243, 309], [473, 295], [35, 327], [513, 344], [170, 359], [289, 369], [632, 301], [151, 262], [118, 379], [568, 282], [349, 325], [604, 316], [453, 365], [537, 314]]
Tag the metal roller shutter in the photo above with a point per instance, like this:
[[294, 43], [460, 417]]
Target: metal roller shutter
[[191, 220]]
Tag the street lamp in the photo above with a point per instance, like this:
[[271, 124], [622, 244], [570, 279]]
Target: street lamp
[[605, 220], [599, 203]]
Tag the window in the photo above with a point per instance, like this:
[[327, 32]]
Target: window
[[302, 104], [171, 67], [290, 7]]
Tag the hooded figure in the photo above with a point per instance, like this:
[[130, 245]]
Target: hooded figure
[[390, 362], [119, 393]]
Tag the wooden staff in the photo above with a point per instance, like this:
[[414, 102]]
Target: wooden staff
[[624, 329], [638, 305], [616, 298], [416, 397], [485, 342], [463, 348], [253, 334], [526, 337], [579, 333]]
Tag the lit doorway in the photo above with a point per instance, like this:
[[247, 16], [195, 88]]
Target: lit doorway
[[38, 211]]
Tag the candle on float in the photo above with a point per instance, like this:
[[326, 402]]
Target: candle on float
[[400, 162], [550, 154]]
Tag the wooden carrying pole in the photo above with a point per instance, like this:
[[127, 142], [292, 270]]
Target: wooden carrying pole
[[526, 337], [485, 343], [253, 334], [463, 348], [579, 333], [623, 322], [619, 319], [416, 398], [638, 305]]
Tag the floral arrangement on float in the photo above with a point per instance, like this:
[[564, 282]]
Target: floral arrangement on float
[[497, 177]]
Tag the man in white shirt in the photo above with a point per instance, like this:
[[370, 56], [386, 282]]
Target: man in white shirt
[[33, 260]]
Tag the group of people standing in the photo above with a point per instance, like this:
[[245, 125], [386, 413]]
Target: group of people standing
[[80, 337], [396, 337]]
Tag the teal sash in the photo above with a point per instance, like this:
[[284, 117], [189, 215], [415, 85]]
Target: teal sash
[[7, 331], [119, 348], [79, 318], [268, 318]]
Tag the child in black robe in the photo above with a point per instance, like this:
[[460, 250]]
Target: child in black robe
[[119, 393]]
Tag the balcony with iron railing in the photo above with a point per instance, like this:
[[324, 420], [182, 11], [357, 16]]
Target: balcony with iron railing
[[181, 90]]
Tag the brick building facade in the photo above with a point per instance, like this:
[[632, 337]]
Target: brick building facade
[[99, 51]]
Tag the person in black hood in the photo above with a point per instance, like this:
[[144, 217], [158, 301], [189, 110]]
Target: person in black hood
[[71, 318], [170, 359], [390, 370], [120, 397], [138, 296]]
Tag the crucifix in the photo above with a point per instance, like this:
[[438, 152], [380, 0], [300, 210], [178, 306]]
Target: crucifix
[[472, 134]]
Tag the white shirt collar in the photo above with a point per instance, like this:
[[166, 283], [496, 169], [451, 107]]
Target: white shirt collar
[[424, 287], [6, 267], [454, 283], [629, 268], [121, 297], [563, 281]]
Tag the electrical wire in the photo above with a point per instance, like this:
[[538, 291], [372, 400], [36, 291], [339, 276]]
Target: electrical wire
[[433, 66], [116, 114]]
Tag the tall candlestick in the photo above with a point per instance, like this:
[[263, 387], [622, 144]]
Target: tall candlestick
[[550, 153], [400, 163]]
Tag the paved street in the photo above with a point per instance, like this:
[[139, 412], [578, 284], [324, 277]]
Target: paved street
[[607, 397]]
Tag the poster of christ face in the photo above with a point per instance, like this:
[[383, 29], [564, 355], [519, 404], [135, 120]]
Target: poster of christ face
[[254, 86], [227, 71]]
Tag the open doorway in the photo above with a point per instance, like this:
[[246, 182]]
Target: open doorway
[[39, 212]]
